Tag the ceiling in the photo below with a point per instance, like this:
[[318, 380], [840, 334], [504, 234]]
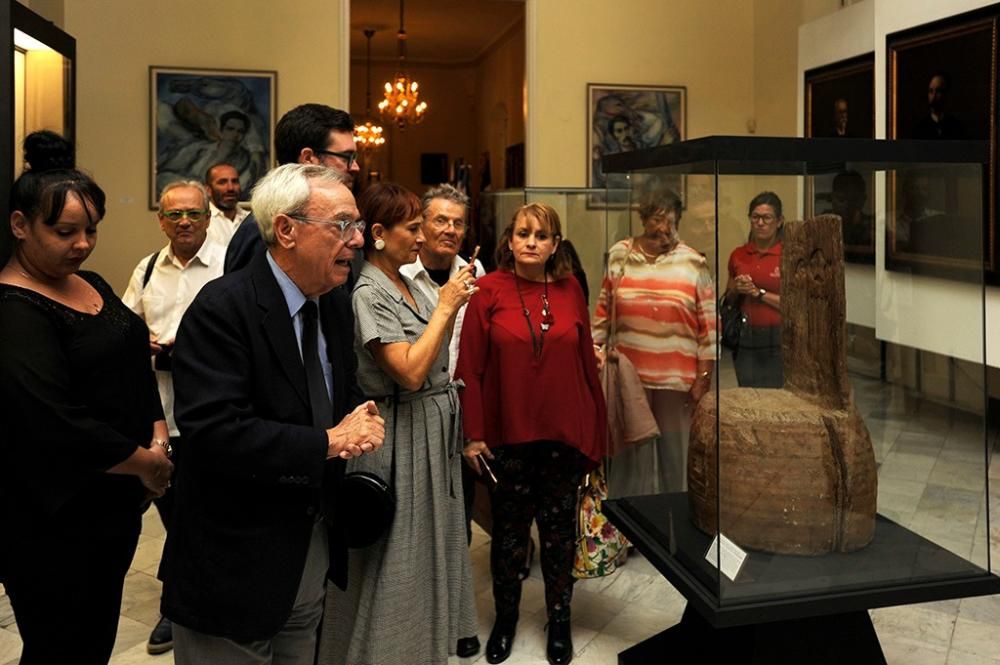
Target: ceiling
[[438, 31]]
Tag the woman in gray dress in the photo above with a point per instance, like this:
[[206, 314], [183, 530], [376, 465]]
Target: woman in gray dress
[[409, 596]]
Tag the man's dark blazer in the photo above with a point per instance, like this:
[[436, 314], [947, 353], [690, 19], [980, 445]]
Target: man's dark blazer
[[252, 478], [244, 245]]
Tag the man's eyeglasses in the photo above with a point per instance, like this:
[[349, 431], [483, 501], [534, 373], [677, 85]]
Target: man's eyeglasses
[[350, 157], [175, 216], [347, 227], [441, 223]]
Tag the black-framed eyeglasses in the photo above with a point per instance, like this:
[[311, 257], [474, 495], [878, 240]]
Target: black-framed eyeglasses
[[175, 216], [347, 227], [350, 157]]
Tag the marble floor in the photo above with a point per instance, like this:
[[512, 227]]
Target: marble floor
[[930, 480]]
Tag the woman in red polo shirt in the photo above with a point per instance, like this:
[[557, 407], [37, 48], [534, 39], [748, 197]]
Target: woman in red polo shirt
[[755, 279]]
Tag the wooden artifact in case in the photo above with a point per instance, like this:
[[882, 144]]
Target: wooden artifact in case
[[797, 467]]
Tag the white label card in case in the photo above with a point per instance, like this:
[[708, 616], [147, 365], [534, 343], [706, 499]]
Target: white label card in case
[[731, 559]]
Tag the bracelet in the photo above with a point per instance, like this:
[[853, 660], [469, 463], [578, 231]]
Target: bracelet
[[168, 449]]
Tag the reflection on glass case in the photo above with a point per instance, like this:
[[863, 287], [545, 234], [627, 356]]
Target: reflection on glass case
[[808, 479]]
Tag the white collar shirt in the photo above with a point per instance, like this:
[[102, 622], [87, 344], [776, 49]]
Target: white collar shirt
[[162, 302], [221, 229], [418, 273]]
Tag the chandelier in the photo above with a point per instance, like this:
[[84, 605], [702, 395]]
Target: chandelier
[[402, 103], [368, 137]]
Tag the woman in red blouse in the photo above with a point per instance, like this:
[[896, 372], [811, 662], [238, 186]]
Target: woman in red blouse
[[533, 405], [755, 279]]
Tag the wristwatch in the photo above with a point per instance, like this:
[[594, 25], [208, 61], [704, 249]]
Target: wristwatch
[[761, 293]]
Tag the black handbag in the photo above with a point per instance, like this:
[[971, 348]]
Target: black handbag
[[367, 503], [734, 321]]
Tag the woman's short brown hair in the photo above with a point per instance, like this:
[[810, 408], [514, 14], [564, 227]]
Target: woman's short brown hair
[[559, 264], [388, 204]]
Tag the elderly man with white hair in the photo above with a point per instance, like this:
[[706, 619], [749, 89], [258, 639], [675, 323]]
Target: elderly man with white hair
[[269, 407]]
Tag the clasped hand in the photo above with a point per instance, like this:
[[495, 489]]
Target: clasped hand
[[156, 470], [361, 431], [743, 284]]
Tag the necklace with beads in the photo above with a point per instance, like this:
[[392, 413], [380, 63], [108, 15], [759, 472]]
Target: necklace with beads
[[537, 341]]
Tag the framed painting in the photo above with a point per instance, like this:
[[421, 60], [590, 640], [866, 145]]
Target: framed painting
[[630, 117], [942, 85], [203, 117], [840, 103]]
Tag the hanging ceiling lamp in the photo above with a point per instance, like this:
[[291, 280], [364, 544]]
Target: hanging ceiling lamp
[[369, 136], [402, 97]]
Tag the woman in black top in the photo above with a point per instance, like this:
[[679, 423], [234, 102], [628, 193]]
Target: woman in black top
[[84, 441]]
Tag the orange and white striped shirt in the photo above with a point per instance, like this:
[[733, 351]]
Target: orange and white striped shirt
[[665, 313]]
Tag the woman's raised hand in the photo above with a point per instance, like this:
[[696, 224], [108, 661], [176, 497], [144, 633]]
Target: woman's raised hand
[[457, 290]]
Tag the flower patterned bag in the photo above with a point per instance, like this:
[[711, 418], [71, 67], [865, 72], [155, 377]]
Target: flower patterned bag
[[600, 547]]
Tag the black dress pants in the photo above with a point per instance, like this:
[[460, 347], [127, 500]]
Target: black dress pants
[[536, 481], [65, 579]]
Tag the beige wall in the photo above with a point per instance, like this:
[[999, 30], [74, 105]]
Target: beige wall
[[500, 102], [706, 46], [117, 41]]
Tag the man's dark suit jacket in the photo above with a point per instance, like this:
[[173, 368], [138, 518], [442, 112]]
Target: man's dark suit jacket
[[252, 479], [244, 245]]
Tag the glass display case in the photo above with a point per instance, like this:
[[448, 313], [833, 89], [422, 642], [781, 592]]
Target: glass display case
[[840, 460]]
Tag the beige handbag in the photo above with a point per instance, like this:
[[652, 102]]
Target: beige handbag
[[630, 420]]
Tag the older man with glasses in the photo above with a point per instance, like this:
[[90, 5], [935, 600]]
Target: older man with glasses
[[270, 408], [445, 223], [162, 287]]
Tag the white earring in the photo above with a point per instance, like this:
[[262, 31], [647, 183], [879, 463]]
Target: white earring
[[379, 244]]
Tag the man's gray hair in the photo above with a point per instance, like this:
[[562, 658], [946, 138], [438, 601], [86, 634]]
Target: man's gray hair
[[446, 192], [178, 184], [285, 191]]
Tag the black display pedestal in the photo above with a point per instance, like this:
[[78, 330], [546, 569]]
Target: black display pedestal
[[829, 640], [780, 608]]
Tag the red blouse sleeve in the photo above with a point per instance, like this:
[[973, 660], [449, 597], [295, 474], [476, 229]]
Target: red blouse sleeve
[[473, 356], [590, 369]]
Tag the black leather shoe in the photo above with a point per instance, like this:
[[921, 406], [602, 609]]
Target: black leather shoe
[[161, 640], [467, 647], [559, 649], [501, 640]]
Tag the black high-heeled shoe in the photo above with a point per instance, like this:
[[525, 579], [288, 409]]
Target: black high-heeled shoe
[[559, 643], [501, 640], [467, 647]]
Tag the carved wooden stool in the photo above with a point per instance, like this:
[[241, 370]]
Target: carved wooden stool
[[797, 468]]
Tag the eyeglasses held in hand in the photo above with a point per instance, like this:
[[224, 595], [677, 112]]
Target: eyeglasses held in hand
[[177, 215], [350, 157], [347, 227]]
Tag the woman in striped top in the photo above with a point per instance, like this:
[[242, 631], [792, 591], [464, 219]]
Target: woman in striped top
[[665, 324]]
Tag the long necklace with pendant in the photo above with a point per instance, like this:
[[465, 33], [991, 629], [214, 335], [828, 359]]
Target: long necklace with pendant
[[537, 341]]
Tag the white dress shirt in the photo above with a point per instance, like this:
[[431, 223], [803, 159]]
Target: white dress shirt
[[221, 228], [161, 304], [418, 273]]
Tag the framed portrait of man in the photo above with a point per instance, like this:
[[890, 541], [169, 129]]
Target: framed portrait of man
[[941, 85], [839, 104], [202, 117], [630, 117]]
